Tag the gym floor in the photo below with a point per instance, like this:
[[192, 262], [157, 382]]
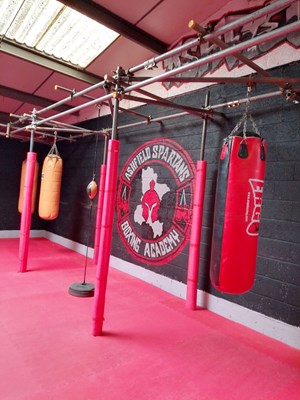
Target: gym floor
[[152, 346]]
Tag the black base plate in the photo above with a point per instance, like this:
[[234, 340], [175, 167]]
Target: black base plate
[[82, 289]]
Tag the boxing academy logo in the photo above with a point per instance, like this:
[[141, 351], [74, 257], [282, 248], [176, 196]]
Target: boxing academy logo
[[155, 196], [253, 207]]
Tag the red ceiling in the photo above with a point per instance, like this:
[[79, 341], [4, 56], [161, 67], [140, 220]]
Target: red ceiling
[[166, 20]]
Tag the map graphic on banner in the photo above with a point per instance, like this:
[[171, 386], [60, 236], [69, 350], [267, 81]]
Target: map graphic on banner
[[153, 192]]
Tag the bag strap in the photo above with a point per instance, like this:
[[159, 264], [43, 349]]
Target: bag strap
[[54, 149]]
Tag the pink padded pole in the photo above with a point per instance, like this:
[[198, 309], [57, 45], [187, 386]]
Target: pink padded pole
[[194, 252], [99, 212], [106, 234], [26, 211]]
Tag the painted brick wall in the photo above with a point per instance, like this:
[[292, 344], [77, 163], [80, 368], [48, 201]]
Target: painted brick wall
[[276, 291], [77, 213], [12, 153]]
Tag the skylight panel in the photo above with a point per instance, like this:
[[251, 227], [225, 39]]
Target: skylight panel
[[55, 30]]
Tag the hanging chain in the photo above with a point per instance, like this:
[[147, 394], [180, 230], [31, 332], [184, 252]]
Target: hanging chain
[[95, 157], [246, 115]]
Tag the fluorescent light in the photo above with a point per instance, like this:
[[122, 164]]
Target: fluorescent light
[[54, 29]]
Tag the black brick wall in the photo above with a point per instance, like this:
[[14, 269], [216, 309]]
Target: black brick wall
[[276, 292], [12, 153], [77, 214]]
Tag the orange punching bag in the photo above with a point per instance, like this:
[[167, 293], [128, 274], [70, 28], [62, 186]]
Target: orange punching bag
[[22, 182], [50, 185]]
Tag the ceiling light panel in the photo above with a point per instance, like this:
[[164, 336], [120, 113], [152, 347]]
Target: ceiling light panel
[[54, 29]]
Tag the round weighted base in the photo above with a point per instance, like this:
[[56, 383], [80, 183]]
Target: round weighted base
[[82, 289]]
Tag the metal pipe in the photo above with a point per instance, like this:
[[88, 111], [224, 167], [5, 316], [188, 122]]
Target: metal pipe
[[229, 104], [161, 101], [28, 127], [23, 138], [21, 118], [238, 102], [189, 110], [114, 132], [226, 28], [198, 205], [106, 104], [7, 133], [223, 53], [105, 150], [204, 129], [109, 103], [90, 103], [43, 134], [153, 61], [93, 87], [244, 80], [220, 43], [249, 18], [78, 128], [56, 129], [233, 25], [212, 57], [28, 116], [139, 123], [233, 103], [31, 141]]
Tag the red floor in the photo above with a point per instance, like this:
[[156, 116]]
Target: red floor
[[153, 348]]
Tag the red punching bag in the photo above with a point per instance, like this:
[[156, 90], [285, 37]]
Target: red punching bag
[[237, 213]]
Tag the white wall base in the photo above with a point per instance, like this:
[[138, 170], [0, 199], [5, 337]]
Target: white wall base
[[78, 247], [16, 234], [271, 327]]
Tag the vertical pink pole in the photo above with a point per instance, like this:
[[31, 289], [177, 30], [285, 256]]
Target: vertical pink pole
[[99, 212], [26, 211], [105, 235], [194, 252]]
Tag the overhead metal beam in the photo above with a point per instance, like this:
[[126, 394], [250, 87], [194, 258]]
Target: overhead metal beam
[[240, 56], [190, 110], [217, 79], [117, 24], [29, 98], [292, 27], [47, 62]]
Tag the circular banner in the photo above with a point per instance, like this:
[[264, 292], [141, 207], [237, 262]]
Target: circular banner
[[155, 200]]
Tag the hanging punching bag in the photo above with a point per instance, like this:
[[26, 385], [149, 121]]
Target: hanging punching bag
[[237, 213], [22, 182], [50, 185]]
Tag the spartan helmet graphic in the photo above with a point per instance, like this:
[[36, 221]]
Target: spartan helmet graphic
[[150, 204]]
